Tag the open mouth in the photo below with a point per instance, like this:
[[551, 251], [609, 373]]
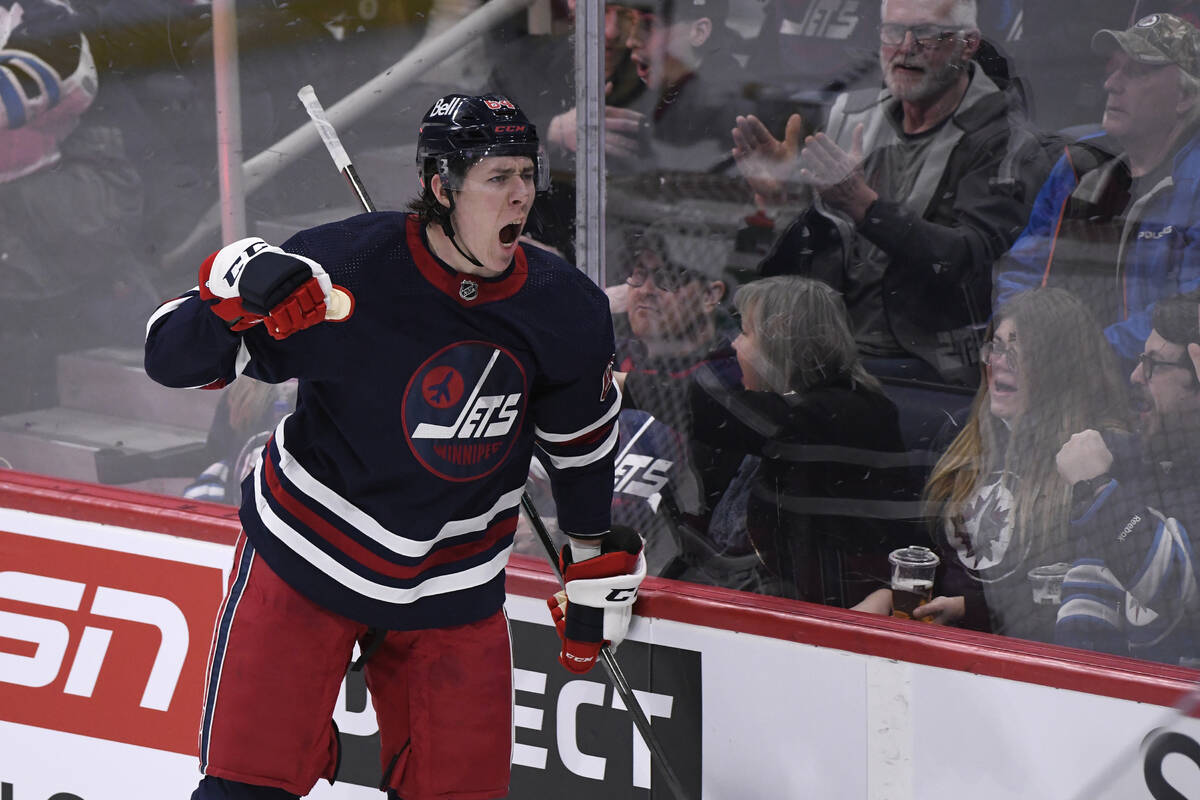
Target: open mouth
[[1001, 386], [509, 233]]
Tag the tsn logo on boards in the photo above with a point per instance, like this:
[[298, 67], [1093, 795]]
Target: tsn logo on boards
[[103, 643]]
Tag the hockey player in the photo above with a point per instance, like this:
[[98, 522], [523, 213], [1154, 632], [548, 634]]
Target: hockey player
[[382, 510]]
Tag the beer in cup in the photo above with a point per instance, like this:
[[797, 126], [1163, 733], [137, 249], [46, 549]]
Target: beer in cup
[[1046, 582], [912, 578]]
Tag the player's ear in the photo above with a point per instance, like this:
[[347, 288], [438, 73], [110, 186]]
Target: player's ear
[[439, 190], [700, 31]]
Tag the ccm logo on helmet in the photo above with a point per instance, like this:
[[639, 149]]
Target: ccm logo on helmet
[[509, 128]]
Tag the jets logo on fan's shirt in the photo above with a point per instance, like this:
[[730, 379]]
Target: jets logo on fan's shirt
[[462, 409]]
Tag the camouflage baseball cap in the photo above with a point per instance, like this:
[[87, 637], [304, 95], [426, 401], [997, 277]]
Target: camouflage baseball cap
[[1155, 39]]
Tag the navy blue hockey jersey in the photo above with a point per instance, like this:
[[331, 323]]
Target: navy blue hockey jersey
[[391, 494]]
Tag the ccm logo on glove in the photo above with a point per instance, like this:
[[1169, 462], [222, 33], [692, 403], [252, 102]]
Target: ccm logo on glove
[[596, 607], [251, 281]]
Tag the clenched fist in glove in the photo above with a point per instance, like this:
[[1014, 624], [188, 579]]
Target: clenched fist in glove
[[600, 592], [252, 281]]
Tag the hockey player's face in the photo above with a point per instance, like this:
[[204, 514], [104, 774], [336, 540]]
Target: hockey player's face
[[491, 208]]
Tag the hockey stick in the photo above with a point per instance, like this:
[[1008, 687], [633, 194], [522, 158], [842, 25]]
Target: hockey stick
[[615, 675], [334, 145]]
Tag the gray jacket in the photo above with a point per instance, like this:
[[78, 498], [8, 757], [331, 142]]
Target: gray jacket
[[971, 198]]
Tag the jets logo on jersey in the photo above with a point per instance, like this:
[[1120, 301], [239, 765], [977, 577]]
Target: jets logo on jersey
[[463, 409], [825, 19], [442, 387]]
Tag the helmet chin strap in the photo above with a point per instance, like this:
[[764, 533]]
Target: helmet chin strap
[[448, 229]]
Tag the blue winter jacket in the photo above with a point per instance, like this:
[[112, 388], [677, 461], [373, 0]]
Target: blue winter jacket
[[1121, 259]]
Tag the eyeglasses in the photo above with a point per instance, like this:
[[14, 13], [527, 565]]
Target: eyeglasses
[[925, 36], [1149, 362], [995, 350], [669, 278]]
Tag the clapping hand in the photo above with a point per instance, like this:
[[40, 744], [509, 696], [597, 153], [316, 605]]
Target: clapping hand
[[837, 175], [765, 162]]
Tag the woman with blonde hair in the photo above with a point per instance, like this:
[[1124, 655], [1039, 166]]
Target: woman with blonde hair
[[997, 503], [825, 491]]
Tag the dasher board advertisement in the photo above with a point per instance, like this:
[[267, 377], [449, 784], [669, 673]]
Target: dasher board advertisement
[[104, 636]]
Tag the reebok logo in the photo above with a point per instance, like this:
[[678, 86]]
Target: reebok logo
[[1129, 526]]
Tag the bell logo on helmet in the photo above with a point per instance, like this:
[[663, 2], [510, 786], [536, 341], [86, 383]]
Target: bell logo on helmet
[[446, 108], [496, 105]]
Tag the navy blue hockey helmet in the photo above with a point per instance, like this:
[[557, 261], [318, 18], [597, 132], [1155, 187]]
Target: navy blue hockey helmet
[[460, 129]]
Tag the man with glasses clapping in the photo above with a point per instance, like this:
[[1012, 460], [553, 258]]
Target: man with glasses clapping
[[907, 195]]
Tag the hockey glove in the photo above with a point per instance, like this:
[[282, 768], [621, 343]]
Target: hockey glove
[[600, 593], [252, 281]]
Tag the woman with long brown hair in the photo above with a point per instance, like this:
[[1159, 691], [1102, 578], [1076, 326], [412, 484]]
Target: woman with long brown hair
[[996, 500]]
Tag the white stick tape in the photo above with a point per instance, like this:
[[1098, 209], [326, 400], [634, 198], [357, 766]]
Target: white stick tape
[[328, 134]]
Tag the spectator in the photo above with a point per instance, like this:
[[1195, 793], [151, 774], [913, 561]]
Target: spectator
[[916, 190], [672, 304], [543, 81], [824, 490], [997, 503], [1118, 221], [1052, 44], [1132, 588], [694, 86], [70, 206], [623, 88]]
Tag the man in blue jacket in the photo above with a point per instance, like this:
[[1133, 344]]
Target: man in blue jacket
[[1118, 221]]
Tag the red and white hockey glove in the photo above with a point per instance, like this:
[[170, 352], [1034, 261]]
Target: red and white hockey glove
[[252, 282], [600, 593]]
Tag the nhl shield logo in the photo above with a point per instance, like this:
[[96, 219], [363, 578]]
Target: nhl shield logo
[[468, 290]]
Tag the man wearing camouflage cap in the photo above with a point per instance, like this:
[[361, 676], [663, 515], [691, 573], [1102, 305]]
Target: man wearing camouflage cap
[[1118, 221]]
